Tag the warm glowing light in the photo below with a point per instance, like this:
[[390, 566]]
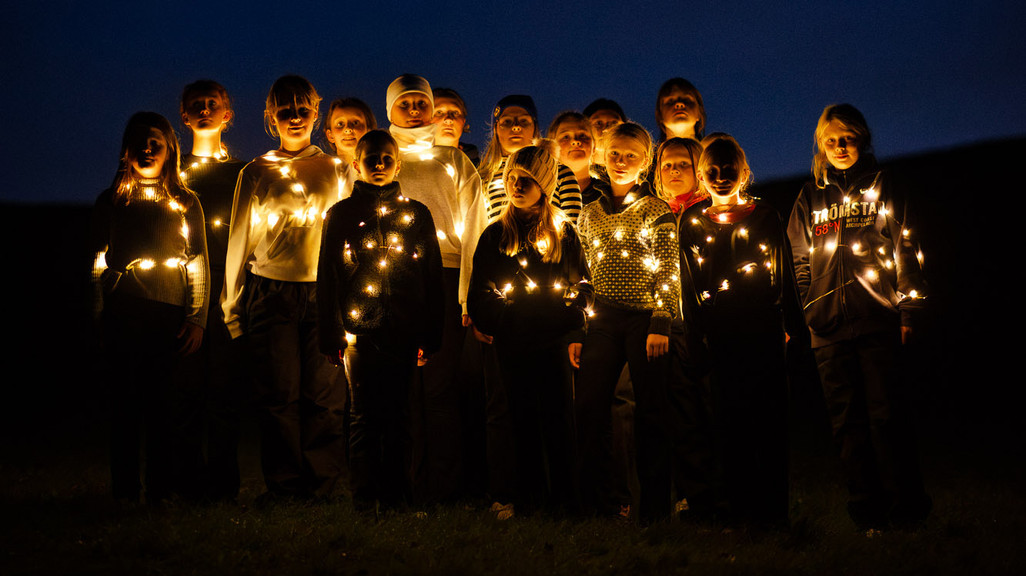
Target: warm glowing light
[[856, 247], [217, 222], [284, 171], [905, 232], [440, 234], [458, 229], [725, 285], [708, 239], [743, 232], [542, 245], [172, 262], [531, 285], [871, 274], [298, 188], [426, 156], [450, 170], [369, 244], [272, 219], [523, 262], [558, 286], [336, 160], [370, 289], [625, 254], [595, 242], [706, 295], [618, 234], [888, 264], [747, 268], [407, 218], [146, 264], [913, 294], [350, 338], [599, 255], [831, 246], [722, 217], [185, 230], [149, 192], [354, 313], [507, 288], [383, 210], [644, 233], [382, 263], [871, 194]]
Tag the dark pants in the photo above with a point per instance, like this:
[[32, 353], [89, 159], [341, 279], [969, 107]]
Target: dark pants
[[696, 473], [499, 443], [748, 381], [301, 395], [379, 372], [148, 394], [617, 336], [437, 469], [537, 386], [219, 370], [872, 423]]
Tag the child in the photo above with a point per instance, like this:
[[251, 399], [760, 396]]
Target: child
[[270, 296], [527, 265], [576, 139], [444, 180], [680, 112], [450, 119], [676, 174], [216, 371], [379, 283], [630, 241], [151, 269], [515, 125], [348, 120], [603, 114], [861, 283], [738, 294]]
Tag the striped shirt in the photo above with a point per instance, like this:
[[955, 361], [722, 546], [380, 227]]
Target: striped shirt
[[567, 196]]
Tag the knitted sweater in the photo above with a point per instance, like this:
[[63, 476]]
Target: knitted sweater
[[444, 180], [152, 247], [522, 300], [567, 196], [633, 254], [214, 180], [380, 270], [279, 207]]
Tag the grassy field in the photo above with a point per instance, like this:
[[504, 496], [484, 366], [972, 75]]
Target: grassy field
[[57, 518]]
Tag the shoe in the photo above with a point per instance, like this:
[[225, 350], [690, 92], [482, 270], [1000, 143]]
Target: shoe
[[501, 511], [681, 506], [624, 513]]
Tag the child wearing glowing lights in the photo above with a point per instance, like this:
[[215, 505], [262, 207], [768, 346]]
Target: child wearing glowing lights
[[348, 120], [630, 241], [151, 269], [270, 297], [680, 112], [676, 182], [529, 291], [860, 279], [739, 295], [444, 180], [450, 119], [379, 289], [217, 370]]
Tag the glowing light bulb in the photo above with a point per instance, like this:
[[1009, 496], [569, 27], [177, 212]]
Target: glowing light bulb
[[595, 242], [905, 232], [599, 255], [382, 263], [888, 264], [458, 229], [558, 286], [763, 247], [298, 188], [725, 285], [185, 230], [618, 234], [350, 338], [747, 268], [407, 218], [272, 219], [706, 295], [831, 246], [743, 232], [694, 221], [708, 239], [426, 156], [370, 289], [354, 313], [383, 210], [523, 262], [507, 288], [369, 244], [440, 234], [217, 222], [172, 262], [913, 294], [284, 170], [450, 170], [722, 217], [856, 247], [871, 274], [146, 264], [336, 160], [625, 254], [531, 285]]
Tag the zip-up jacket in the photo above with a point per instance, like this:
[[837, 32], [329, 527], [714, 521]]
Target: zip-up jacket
[[857, 264]]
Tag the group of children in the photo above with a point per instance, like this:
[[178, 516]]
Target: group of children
[[337, 293]]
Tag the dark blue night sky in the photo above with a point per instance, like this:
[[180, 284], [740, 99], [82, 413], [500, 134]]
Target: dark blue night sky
[[927, 75]]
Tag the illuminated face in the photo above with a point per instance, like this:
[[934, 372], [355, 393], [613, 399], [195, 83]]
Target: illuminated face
[[149, 154], [449, 122], [411, 110], [514, 129], [840, 145], [625, 158], [679, 113], [575, 144], [719, 173], [206, 112], [677, 171], [345, 127], [295, 122], [378, 166], [523, 191]]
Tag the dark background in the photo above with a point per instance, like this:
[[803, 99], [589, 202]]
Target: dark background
[[927, 75]]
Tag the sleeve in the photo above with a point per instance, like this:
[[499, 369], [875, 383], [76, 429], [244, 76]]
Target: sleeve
[[794, 316], [474, 219], [431, 266], [799, 233], [568, 193], [582, 293], [99, 236], [240, 252], [330, 284], [486, 302], [907, 254], [689, 299], [666, 268], [197, 269]]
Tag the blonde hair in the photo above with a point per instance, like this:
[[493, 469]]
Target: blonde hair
[[694, 148], [636, 132], [547, 232], [126, 179], [285, 91], [851, 119], [721, 143]]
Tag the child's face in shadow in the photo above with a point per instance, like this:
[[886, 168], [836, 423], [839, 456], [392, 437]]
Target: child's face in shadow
[[378, 165], [148, 154], [206, 111], [720, 173]]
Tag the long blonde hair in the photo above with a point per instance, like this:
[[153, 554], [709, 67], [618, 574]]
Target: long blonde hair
[[492, 157], [546, 234], [849, 117]]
